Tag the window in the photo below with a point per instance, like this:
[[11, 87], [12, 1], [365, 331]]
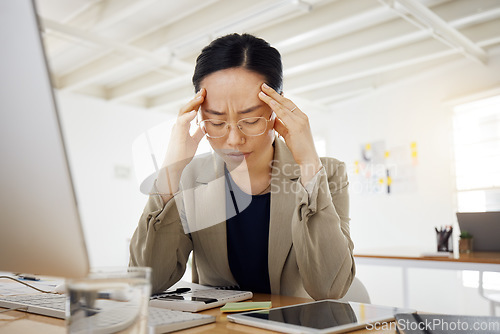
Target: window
[[477, 155], [477, 160]]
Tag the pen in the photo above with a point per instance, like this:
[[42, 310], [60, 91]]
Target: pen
[[27, 277], [181, 290], [169, 293]]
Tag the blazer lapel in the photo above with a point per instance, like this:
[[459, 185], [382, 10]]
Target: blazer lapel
[[202, 200], [285, 173], [209, 210]]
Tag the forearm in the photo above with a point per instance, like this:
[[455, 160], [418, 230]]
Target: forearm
[[321, 239], [309, 170], [159, 242], [324, 255], [167, 182]]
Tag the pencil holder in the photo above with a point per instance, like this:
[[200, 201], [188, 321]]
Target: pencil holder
[[444, 240]]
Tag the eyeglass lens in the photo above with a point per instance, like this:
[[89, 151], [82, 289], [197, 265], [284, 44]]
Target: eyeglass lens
[[252, 126]]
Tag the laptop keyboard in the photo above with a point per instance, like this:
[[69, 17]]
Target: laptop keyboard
[[159, 320]]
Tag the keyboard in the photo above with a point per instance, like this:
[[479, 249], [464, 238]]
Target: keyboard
[[165, 322], [160, 320]]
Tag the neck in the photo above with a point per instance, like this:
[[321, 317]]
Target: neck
[[257, 169], [254, 179]]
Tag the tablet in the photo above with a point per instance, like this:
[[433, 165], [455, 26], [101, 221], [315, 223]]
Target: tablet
[[325, 316]]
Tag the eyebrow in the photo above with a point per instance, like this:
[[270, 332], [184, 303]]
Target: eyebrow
[[245, 111]]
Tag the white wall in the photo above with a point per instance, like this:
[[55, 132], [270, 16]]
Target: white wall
[[99, 138], [412, 110]]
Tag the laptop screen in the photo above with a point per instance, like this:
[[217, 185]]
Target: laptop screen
[[484, 228]]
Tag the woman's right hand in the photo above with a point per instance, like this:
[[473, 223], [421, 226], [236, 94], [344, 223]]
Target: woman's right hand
[[181, 147]]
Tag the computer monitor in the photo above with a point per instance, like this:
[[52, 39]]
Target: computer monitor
[[40, 230], [484, 227]]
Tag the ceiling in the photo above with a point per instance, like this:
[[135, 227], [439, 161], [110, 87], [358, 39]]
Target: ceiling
[[142, 52]]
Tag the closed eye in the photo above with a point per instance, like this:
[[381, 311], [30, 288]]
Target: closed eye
[[250, 122], [215, 122]]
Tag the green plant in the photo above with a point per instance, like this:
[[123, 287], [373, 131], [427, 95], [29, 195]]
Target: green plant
[[465, 235]]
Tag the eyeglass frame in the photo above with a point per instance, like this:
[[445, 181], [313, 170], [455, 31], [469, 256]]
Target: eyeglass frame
[[198, 123]]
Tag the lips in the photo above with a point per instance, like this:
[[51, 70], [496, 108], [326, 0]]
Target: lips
[[237, 154]]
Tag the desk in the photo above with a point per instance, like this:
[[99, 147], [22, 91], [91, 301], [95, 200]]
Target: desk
[[31, 323], [480, 261]]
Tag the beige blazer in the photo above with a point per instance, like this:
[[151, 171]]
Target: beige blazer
[[310, 249]]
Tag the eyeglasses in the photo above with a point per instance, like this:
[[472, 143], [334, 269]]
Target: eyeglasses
[[251, 126]]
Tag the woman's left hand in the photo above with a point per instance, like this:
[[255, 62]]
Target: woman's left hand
[[293, 125]]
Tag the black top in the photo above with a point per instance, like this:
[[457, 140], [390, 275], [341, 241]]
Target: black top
[[247, 239]]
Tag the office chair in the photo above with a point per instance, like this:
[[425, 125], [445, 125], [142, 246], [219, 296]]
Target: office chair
[[357, 293], [493, 298]]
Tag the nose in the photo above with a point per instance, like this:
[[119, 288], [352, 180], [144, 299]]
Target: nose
[[235, 137]]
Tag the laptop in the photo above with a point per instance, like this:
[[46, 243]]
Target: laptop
[[484, 227], [41, 232]]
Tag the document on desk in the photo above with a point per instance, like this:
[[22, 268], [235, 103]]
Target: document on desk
[[11, 288], [192, 297]]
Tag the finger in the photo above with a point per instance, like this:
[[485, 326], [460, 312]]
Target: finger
[[282, 112], [280, 127], [186, 118], [183, 122], [277, 97], [198, 135], [195, 103]]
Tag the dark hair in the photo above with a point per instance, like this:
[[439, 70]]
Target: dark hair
[[246, 51]]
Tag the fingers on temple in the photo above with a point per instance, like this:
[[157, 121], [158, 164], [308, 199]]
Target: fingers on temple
[[277, 97], [195, 103], [280, 104], [281, 111]]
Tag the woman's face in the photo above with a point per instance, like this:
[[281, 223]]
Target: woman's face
[[231, 95]]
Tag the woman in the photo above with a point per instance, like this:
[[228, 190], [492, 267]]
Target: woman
[[260, 213]]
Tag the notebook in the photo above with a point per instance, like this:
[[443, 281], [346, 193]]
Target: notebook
[[192, 297]]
